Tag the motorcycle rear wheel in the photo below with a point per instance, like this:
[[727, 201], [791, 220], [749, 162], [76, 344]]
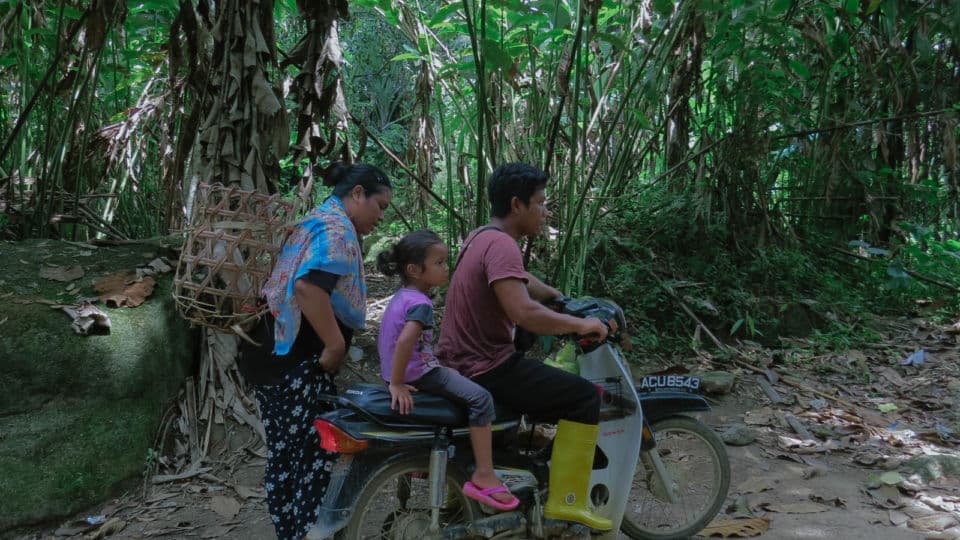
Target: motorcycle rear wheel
[[395, 503], [697, 461]]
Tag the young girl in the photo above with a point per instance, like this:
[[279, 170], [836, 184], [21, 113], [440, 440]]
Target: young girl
[[407, 361]]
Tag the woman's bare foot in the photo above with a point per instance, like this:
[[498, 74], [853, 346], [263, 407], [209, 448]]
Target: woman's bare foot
[[484, 481]]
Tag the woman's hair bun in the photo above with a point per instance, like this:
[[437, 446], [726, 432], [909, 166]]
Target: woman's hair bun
[[336, 173]]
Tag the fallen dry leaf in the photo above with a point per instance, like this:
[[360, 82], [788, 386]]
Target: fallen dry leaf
[[220, 531], [886, 497], [740, 508], [111, 527], [836, 501], [227, 507], [760, 417], [160, 266], [898, 518], [61, 273], [754, 485], [797, 508], [933, 523], [817, 469], [736, 528], [88, 319], [891, 375], [168, 531], [122, 289], [250, 493]]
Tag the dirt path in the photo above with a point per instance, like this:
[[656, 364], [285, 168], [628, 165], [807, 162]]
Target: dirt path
[[229, 505], [841, 483]]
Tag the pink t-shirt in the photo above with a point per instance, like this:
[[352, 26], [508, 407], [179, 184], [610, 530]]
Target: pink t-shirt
[[476, 335]]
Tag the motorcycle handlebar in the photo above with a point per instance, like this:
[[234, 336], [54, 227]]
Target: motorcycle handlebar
[[609, 313]]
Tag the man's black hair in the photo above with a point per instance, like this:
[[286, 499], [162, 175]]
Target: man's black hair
[[513, 180]]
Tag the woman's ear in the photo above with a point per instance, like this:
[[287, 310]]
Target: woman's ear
[[357, 192]]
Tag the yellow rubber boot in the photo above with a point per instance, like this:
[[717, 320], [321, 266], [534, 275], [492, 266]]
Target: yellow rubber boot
[[570, 467]]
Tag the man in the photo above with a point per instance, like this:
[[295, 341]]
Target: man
[[491, 292]]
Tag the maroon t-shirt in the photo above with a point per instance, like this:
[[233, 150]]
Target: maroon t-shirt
[[476, 335]]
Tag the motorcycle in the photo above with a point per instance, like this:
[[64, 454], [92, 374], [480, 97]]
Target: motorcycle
[[658, 473]]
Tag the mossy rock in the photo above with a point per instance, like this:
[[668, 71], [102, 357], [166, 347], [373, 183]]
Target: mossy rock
[[78, 414], [933, 467]]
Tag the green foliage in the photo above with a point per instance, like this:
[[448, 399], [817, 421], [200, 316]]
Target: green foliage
[[733, 145]]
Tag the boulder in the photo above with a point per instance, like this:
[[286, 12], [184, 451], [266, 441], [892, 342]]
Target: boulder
[[717, 382], [79, 414], [739, 435]]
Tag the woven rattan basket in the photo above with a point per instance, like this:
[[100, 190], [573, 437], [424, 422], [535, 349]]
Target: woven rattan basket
[[228, 256]]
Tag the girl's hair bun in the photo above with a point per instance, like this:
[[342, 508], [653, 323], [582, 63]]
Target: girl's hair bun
[[387, 262]]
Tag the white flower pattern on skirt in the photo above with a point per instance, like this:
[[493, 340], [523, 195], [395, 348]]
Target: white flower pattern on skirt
[[298, 470]]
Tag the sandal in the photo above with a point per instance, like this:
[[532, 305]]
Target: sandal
[[485, 496]]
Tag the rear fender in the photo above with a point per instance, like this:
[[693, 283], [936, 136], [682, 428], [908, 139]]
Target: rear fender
[[663, 404], [349, 476]]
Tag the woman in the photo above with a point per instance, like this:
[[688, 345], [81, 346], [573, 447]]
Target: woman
[[317, 298]]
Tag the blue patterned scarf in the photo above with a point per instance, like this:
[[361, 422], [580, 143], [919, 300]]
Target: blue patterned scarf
[[324, 240]]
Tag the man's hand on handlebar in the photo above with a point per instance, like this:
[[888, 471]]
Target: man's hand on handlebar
[[557, 303], [593, 328]]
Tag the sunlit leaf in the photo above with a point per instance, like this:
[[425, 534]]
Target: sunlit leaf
[[613, 40], [495, 55], [736, 326], [72, 13], [405, 56], [444, 13], [800, 69], [779, 7], [663, 7], [561, 16], [896, 271], [166, 6]]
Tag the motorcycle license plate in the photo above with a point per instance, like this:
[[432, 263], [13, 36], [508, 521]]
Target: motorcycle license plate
[[653, 383]]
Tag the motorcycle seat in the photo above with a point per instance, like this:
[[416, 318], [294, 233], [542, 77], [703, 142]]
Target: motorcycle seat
[[428, 409]]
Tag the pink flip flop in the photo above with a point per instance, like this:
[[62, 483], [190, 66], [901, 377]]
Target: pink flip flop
[[485, 496]]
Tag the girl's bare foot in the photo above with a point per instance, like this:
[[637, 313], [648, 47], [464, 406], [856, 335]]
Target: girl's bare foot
[[484, 481]]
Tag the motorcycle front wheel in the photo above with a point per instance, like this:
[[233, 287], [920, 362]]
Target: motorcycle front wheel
[[395, 503], [696, 462]]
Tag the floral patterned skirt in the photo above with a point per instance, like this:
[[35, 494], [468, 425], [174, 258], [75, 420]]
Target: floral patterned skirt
[[298, 470]]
